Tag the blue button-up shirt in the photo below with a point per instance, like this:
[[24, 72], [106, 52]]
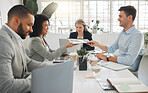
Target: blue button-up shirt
[[130, 44]]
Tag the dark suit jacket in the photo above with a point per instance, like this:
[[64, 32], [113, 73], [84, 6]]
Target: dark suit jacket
[[86, 35]]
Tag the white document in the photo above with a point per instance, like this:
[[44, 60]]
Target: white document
[[78, 41], [127, 85], [53, 79], [114, 66]]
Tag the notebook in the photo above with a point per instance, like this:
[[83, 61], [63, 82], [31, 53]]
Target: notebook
[[53, 79], [127, 85], [63, 42]]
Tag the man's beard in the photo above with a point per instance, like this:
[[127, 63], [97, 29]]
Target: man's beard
[[21, 31]]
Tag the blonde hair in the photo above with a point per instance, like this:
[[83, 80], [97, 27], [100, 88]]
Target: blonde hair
[[81, 21]]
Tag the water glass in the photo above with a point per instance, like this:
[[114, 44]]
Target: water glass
[[95, 68]]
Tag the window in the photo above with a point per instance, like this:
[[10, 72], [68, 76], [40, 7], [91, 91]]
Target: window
[[0, 20], [106, 11]]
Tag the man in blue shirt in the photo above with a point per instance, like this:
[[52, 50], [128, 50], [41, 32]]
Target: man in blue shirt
[[130, 41]]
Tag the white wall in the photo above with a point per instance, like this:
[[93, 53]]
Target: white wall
[[5, 5], [53, 39]]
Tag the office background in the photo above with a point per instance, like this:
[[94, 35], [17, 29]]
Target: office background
[[68, 11], [63, 20]]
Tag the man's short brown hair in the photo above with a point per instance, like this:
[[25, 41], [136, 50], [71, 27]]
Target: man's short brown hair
[[129, 10]]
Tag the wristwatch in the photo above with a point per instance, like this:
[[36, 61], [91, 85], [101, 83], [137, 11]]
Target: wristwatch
[[107, 58]]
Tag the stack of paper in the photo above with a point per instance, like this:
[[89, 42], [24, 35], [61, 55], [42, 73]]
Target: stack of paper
[[78, 41]]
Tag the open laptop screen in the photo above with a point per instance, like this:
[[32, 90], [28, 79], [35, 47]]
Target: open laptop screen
[[63, 42]]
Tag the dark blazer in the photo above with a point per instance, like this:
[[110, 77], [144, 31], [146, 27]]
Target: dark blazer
[[86, 35]]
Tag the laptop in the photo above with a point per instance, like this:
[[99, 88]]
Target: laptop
[[63, 42], [56, 78]]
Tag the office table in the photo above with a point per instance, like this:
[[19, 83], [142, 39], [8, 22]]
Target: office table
[[81, 84]]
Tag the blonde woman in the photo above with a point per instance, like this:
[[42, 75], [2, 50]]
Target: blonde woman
[[82, 33]]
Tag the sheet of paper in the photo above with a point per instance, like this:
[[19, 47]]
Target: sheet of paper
[[78, 41], [114, 66]]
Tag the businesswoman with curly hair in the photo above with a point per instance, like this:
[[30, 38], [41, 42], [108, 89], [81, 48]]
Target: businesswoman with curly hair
[[39, 49]]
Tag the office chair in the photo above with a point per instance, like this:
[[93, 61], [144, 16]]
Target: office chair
[[143, 68], [134, 70]]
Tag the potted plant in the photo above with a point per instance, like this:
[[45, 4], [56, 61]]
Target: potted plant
[[146, 43], [94, 26], [32, 5], [82, 59], [146, 39]]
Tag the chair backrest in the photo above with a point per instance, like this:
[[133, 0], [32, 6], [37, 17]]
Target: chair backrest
[[136, 64], [57, 78], [143, 68]]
